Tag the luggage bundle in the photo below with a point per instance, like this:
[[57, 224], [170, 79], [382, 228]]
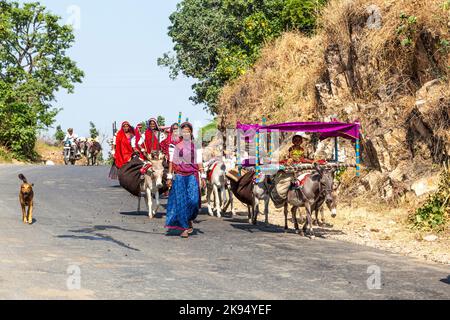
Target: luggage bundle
[[130, 176], [280, 188], [242, 186]]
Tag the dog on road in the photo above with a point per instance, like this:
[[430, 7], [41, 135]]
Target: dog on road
[[26, 196]]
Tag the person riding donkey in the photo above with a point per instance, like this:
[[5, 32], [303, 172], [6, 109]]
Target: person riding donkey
[[135, 141], [123, 150], [149, 141]]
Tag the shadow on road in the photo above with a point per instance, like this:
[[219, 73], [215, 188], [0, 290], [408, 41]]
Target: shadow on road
[[93, 234], [99, 237], [243, 225], [135, 213], [446, 280]]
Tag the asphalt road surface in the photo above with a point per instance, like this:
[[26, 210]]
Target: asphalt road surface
[[88, 242]]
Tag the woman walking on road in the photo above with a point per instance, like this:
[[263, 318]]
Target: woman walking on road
[[183, 179]]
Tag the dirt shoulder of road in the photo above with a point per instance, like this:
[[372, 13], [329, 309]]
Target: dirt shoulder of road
[[377, 226], [47, 153]]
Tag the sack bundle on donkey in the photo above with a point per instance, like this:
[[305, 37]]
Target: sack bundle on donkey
[[242, 187], [130, 176], [280, 188]]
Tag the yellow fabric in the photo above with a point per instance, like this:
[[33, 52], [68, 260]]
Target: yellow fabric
[[297, 154]]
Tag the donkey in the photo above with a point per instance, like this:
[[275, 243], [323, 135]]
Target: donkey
[[260, 193], [93, 149], [331, 204], [317, 188], [82, 146], [218, 184], [152, 182]]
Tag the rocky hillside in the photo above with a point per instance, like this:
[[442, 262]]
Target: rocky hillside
[[384, 63]]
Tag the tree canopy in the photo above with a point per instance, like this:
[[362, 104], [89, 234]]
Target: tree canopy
[[33, 66], [93, 130], [218, 40]]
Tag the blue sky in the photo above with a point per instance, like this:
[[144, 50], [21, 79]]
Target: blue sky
[[117, 45]]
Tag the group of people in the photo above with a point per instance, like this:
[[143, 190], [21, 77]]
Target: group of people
[[74, 141], [185, 176]]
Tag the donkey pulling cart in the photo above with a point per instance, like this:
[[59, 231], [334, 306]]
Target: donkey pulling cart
[[265, 177]]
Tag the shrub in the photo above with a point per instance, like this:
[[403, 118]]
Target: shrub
[[435, 213]]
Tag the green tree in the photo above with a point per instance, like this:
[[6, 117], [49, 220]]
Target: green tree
[[33, 67], [59, 135], [218, 40], [161, 121], [93, 130]]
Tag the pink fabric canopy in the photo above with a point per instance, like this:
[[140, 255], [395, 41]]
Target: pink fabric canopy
[[326, 129]]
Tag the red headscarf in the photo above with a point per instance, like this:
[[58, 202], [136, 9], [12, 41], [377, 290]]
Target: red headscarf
[[124, 151], [151, 139], [138, 135], [169, 140]]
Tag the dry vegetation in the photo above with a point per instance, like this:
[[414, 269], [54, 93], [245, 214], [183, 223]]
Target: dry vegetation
[[282, 84]]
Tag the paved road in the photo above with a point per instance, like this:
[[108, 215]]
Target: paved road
[[85, 221]]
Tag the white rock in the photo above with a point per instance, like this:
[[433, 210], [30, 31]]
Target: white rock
[[49, 163], [430, 238], [424, 186]]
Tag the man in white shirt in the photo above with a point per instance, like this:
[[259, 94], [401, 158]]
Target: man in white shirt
[[72, 138]]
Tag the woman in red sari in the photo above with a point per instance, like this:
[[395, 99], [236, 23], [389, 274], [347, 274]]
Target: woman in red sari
[[136, 140], [152, 137], [123, 149]]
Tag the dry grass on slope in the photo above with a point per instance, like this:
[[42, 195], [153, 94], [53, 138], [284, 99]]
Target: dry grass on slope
[[280, 86], [386, 63], [395, 48]]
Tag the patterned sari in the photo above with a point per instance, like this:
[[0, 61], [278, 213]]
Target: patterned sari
[[184, 198]]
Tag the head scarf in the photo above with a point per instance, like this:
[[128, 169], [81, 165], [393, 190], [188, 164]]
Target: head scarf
[[152, 138], [171, 139], [156, 123], [138, 138], [189, 125], [124, 151]]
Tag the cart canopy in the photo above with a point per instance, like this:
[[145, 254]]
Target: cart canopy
[[348, 131]]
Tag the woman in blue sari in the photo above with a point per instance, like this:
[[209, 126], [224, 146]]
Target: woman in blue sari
[[183, 179]]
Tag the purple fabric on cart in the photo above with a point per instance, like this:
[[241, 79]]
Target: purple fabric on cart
[[326, 129]]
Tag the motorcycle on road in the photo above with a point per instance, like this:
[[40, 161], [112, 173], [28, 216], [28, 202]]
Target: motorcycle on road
[[70, 154]]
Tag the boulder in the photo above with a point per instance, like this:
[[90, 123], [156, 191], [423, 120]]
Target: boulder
[[430, 238], [372, 180], [49, 163], [425, 186]]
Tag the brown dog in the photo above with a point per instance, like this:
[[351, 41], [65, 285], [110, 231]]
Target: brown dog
[[26, 196]]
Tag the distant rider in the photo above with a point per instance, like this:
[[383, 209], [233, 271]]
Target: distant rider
[[71, 138]]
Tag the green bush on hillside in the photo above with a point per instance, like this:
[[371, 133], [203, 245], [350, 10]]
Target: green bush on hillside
[[435, 213]]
